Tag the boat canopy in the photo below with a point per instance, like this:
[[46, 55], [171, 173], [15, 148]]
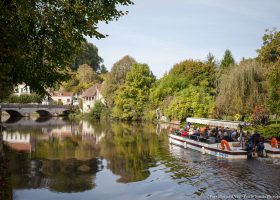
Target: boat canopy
[[215, 122]]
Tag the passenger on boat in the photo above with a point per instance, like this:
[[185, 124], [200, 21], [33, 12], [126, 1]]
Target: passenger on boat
[[256, 137], [219, 136], [249, 145], [191, 131], [184, 133], [260, 146], [212, 138], [234, 135], [216, 129], [188, 125], [196, 132], [227, 137]]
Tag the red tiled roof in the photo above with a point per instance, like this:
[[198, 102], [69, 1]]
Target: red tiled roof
[[90, 92]]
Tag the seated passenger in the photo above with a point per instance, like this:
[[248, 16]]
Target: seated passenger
[[191, 131], [196, 132], [260, 146], [184, 133], [227, 138], [212, 138]]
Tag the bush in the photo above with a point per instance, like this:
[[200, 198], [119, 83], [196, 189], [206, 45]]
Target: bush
[[56, 103], [24, 98], [97, 110], [269, 131], [260, 116]]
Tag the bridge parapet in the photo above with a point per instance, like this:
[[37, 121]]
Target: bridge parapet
[[18, 105], [19, 110]]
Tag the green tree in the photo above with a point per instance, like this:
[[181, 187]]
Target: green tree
[[97, 110], [190, 102], [116, 78], [89, 55], [211, 59], [39, 39], [133, 95], [227, 60], [270, 51], [181, 76], [86, 74], [241, 89], [269, 55]]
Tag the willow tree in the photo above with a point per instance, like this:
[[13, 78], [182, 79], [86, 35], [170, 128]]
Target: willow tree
[[39, 38], [241, 89]]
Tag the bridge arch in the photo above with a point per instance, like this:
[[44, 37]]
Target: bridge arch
[[14, 113], [43, 113]]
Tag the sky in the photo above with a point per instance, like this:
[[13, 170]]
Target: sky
[[162, 33]]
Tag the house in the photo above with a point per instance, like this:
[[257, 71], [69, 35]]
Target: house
[[22, 89], [66, 98], [90, 96]]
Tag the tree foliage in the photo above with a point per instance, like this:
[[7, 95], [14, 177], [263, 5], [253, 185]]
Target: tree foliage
[[227, 60], [97, 110], [190, 102], [89, 55], [116, 78], [241, 89], [86, 74], [182, 75], [40, 38], [24, 98], [269, 55], [132, 96], [81, 79]]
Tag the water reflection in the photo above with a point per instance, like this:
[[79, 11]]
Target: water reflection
[[130, 151], [65, 156], [218, 177], [120, 161]]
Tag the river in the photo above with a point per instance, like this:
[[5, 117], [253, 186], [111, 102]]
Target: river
[[57, 159]]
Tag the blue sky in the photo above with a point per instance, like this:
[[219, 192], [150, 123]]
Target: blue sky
[[162, 33]]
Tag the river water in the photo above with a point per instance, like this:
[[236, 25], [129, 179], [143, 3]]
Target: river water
[[56, 159]]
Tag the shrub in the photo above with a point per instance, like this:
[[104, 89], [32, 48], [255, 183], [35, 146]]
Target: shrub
[[97, 110]]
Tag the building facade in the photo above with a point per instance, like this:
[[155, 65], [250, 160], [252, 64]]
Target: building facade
[[91, 96], [65, 98], [22, 89]]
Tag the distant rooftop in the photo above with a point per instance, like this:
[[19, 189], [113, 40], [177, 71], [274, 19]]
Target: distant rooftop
[[91, 92]]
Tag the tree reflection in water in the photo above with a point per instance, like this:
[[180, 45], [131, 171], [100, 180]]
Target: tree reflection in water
[[66, 158], [131, 149]]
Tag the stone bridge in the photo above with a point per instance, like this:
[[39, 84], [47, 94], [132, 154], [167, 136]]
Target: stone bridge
[[24, 110]]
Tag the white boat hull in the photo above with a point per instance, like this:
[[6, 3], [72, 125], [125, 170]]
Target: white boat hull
[[211, 149], [215, 149]]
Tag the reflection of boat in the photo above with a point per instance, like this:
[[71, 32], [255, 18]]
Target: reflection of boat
[[234, 150]]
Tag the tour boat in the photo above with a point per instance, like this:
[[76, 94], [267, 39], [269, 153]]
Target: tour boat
[[235, 151]]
